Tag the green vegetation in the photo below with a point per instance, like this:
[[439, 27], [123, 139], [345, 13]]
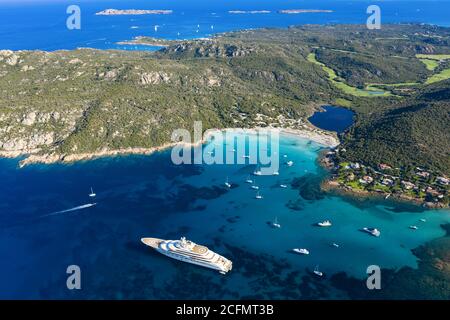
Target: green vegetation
[[338, 82], [84, 101], [430, 64], [441, 76], [436, 57]]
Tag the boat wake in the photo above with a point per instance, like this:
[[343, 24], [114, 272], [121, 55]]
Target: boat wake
[[84, 206]]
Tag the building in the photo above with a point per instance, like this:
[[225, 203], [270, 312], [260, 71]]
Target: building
[[366, 180], [442, 180], [384, 166], [408, 185]]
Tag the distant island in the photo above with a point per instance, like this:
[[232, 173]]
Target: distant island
[[296, 11], [248, 11], [117, 12]]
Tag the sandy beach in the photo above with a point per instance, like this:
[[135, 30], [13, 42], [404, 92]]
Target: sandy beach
[[324, 138]]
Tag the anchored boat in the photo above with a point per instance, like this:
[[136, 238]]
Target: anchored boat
[[190, 252]]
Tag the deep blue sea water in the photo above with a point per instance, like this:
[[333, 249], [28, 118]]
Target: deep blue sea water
[[41, 24], [148, 196], [332, 119]]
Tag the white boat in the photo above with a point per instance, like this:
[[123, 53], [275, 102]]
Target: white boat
[[258, 195], [414, 227], [276, 173], [275, 224], [373, 231], [248, 180], [187, 251], [334, 244], [290, 163], [284, 155], [245, 157], [317, 272], [301, 251], [283, 186], [227, 183], [423, 220], [255, 187], [257, 172], [92, 194], [326, 223]]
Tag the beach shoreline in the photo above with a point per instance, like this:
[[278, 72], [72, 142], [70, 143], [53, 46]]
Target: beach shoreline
[[326, 139]]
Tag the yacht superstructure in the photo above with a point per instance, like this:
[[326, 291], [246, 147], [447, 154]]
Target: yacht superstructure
[[190, 252]]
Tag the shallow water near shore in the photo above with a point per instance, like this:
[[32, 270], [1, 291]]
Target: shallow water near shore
[[148, 196]]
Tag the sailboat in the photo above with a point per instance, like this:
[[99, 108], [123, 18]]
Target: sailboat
[[317, 272], [227, 183], [92, 194], [275, 224], [257, 171], [258, 195]]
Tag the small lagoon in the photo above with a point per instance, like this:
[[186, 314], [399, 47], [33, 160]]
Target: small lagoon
[[332, 118]]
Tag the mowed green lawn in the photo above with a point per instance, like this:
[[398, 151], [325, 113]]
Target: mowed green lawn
[[340, 84]]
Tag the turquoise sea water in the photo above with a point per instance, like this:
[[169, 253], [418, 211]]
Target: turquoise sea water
[[139, 196], [147, 196]]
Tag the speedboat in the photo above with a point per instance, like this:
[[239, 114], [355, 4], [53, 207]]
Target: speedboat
[[334, 244], [423, 220], [283, 186], [326, 223], [373, 231], [414, 227], [248, 180], [258, 195], [254, 187], [276, 173], [290, 163], [301, 251]]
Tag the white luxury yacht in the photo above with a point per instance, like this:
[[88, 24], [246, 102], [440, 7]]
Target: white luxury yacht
[[188, 251]]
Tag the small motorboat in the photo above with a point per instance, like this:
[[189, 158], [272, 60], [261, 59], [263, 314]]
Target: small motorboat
[[373, 231], [301, 251], [326, 223]]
